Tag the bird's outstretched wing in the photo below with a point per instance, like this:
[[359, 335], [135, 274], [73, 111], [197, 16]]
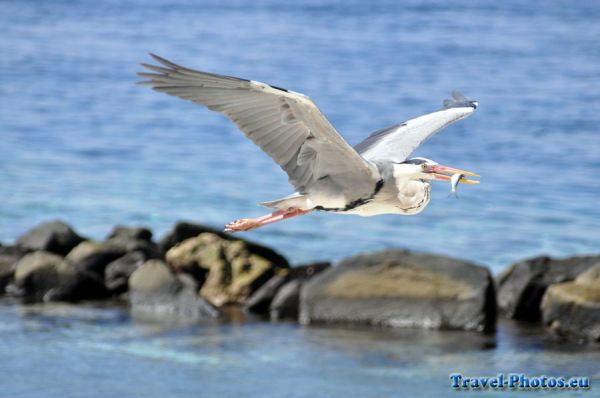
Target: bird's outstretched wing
[[287, 125], [397, 142]]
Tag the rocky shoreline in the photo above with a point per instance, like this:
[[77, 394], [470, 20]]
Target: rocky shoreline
[[195, 272]]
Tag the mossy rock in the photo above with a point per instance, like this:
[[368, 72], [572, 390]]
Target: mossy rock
[[228, 269]]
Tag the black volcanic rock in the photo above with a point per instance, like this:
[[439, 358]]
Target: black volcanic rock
[[286, 303], [522, 286], [45, 276], [117, 272], [130, 233], [260, 302], [92, 256], [132, 239], [54, 236]]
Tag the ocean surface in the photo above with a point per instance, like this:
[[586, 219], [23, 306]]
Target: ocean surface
[[81, 142], [60, 350]]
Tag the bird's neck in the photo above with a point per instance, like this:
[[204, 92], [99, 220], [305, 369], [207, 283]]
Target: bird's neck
[[413, 195]]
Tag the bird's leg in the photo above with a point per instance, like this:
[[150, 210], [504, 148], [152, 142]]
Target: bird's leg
[[246, 224]]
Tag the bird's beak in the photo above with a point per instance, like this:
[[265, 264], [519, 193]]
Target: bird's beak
[[438, 169]]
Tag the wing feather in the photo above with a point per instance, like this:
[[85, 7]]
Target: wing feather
[[282, 123], [398, 142]]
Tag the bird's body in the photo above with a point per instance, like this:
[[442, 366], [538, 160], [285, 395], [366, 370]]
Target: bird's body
[[392, 193], [375, 177]]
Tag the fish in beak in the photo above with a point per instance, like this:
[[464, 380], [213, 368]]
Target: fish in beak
[[445, 173]]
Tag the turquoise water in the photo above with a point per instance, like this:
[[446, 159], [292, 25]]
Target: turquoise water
[[79, 141]]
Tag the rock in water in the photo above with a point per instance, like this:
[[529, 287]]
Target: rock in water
[[94, 256], [286, 303], [185, 230], [54, 236], [402, 289], [117, 273], [156, 292], [522, 286], [260, 301], [44, 276], [38, 272], [130, 233], [231, 270], [132, 239], [9, 256], [572, 309]]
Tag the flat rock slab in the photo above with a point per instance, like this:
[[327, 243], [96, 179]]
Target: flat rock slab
[[398, 288]]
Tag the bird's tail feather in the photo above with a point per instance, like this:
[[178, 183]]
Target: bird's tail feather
[[295, 200]]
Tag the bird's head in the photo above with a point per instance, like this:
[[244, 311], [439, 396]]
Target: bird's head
[[427, 169]]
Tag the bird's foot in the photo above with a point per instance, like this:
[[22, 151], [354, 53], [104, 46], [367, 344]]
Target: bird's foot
[[246, 224], [243, 224]]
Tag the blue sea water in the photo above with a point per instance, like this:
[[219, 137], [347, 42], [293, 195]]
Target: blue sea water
[[81, 142], [59, 350]]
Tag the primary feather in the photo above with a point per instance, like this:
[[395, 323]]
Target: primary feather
[[286, 125], [398, 142]]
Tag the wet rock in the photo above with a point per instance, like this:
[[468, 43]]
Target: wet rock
[[44, 276], [307, 271], [286, 303], [260, 301], [572, 309], [231, 270], [91, 256], [132, 239], [155, 291], [185, 230], [117, 272], [9, 255], [149, 248], [130, 233], [54, 236], [401, 289], [82, 285], [38, 272], [522, 286]]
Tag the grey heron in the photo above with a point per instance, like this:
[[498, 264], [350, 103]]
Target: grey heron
[[328, 174]]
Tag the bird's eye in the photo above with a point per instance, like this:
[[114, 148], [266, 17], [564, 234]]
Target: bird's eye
[[424, 167]]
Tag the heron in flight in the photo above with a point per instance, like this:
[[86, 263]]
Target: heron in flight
[[374, 177]]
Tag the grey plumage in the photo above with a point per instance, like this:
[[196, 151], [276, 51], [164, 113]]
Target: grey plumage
[[327, 173], [398, 142], [286, 125]]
